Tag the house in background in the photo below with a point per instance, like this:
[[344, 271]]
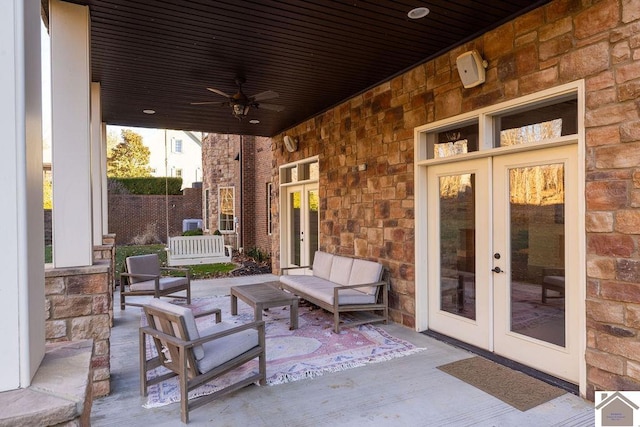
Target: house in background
[[182, 151], [237, 189]]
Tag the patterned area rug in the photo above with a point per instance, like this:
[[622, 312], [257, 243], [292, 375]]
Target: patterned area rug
[[307, 352]]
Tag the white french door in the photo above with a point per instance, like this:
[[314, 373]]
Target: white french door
[[460, 285], [301, 224], [499, 227]]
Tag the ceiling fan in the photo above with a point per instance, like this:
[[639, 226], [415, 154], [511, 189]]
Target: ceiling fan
[[240, 103]]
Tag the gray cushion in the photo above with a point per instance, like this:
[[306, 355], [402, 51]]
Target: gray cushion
[[165, 284], [303, 282], [363, 272], [554, 281], [143, 264], [189, 320], [347, 296], [341, 270], [322, 264], [226, 348]]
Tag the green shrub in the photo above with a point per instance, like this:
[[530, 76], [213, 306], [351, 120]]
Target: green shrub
[[258, 255], [196, 232], [217, 233], [148, 185]]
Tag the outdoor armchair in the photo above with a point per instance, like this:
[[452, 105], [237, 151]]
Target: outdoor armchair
[[142, 275], [198, 357]]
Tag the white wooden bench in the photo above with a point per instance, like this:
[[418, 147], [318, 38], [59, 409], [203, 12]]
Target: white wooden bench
[[190, 250]]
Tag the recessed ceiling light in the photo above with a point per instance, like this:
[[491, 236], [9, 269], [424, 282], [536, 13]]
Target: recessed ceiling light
[[149, 111], [418, 12], [254, 121]]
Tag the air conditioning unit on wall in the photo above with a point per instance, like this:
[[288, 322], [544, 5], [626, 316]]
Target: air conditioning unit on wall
[[191, 224]]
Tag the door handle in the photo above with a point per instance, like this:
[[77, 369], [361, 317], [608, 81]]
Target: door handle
[[497, 270]]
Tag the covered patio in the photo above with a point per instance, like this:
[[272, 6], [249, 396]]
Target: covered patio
[[407, 391], [367, 91]]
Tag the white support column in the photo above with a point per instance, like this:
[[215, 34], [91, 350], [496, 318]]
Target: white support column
[[21, 216], [71, 135], [96, 163], [103, 177]]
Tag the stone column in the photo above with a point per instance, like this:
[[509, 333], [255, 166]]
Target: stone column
[[71, 137]]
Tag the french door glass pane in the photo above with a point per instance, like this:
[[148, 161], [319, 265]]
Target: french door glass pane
[[295, 227], [457, 245], [537, 197], [312, 214]]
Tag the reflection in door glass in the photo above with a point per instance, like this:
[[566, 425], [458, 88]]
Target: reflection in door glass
[[457, 245], [294, 225], [537, 200], [312, 214]]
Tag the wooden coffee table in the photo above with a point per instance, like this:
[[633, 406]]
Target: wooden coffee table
[[262, 296]]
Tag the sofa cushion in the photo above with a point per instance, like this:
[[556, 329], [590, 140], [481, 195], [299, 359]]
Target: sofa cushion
[[364, 272], [322, 264], [346, 296], [303, 283], [189, 321], [166, 283], [341, 270], [223, 349]]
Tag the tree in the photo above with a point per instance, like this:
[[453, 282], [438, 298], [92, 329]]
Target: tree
[[130, 158]]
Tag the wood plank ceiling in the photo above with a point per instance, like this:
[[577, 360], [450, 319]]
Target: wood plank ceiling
[[163, 54]]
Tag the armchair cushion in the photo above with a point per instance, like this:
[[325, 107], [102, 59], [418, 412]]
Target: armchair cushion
[[221, 350], [189, 320], [166, 283], [143, 264]]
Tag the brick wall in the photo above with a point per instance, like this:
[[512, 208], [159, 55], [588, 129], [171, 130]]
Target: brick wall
[[221, 169], [370, 213], [135, 215]]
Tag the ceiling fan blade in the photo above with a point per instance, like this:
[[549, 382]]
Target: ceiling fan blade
[[263, 96], [272, 107], [219, 92], [210, 103]]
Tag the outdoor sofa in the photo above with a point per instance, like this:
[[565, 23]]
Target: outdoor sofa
[[341, 284]]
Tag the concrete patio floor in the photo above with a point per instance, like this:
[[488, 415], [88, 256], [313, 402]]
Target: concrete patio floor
[[408, 391]]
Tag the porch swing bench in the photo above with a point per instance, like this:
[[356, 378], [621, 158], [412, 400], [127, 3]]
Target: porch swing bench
[[192, 250]]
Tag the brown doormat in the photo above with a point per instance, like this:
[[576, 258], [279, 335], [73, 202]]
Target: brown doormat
[[515, 388]]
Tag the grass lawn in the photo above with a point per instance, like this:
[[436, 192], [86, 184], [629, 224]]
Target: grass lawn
[[201, 271]]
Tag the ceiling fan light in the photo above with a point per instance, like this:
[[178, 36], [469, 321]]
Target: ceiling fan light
[[238, 110]]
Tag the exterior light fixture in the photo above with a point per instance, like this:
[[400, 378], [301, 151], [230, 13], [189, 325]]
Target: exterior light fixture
[[149, 111], [418, 12], [254, 121]]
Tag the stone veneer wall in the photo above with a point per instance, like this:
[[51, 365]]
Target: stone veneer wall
[[370, 213], [79, 306]]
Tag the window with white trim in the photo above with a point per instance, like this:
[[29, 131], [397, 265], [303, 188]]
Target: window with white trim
[[226, 209]]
